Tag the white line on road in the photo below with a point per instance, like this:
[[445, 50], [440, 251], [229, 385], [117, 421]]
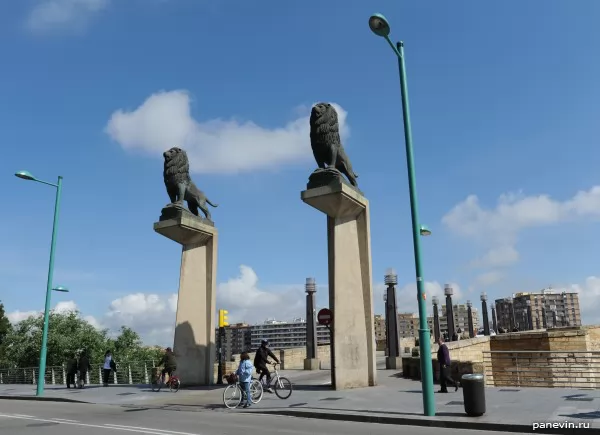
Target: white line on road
[[66, 419], [146, 428], [125, 428], [23, 415]]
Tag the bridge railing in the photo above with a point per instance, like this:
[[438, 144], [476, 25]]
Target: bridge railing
[[135, 372], [542, 368]]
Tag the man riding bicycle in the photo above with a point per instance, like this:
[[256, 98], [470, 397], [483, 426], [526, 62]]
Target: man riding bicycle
[[261, 360], [168, 362]]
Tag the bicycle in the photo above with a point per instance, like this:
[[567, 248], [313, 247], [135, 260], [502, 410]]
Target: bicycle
[[234, 393], [282, 384], [173, 383]]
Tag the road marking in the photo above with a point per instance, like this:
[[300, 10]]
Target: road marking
[[107, 427], [65, 419], [23, 415], [147, 428]]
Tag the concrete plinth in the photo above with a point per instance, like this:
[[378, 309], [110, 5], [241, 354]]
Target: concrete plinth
[[311, 364], [194, 343], [350, 289], [393, 363]]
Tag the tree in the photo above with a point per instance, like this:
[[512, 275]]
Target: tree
[[128, 346], [5, 325]]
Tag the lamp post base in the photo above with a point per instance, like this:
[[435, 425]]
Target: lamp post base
[[393, 363], [312, 364]]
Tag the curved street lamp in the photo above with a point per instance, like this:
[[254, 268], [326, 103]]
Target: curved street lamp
[[26, 175], [380, 26]]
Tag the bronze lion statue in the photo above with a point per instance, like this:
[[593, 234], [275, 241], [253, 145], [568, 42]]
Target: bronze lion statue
[[326, 143], [179, 184]]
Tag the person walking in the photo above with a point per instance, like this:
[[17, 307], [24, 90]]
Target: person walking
[[84, 367], [109, 365], [244, 373], [443, 356], [71, 371]]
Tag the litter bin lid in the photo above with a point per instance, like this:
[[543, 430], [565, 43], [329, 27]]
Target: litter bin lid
[[473, 377]]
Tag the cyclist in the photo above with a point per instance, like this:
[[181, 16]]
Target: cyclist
[[169, 363], [261, 359]]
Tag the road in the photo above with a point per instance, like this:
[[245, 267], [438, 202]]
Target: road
[[50, 418]]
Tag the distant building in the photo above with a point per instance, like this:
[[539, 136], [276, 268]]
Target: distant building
[[408, 325], [461, 319], [380, 332], [285, 335], [236, 339], [549, 309]]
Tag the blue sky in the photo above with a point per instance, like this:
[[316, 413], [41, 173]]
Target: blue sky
[[505, 123]]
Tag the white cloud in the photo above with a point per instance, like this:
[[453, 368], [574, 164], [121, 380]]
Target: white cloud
[[164, 120], [498, 229], [61, 307], [60, 14], [488, 278], [589, 298]]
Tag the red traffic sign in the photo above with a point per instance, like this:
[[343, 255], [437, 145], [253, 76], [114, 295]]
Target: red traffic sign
[[325, 316]]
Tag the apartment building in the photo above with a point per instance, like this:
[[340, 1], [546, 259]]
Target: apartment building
[[549, 309], [461, 318]]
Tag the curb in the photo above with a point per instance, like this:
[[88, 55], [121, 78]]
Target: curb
[[41, 399], [427, 422]]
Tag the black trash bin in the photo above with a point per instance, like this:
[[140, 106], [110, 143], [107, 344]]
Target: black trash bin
[[473, 387]]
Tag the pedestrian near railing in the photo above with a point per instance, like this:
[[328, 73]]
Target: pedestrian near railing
[[128, 373]]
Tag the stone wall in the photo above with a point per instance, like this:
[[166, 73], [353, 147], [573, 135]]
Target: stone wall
[[291, 359], [561, 357]]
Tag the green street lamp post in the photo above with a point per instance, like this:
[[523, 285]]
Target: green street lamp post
[[42, 369], [380, 26]]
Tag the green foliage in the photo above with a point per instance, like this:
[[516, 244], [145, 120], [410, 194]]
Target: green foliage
[[68, 334], [5, 329]]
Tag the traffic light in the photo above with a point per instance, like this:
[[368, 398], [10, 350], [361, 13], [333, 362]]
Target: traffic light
[[223, 318]]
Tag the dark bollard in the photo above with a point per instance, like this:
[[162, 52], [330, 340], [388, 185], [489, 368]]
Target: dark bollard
[[473, 387]]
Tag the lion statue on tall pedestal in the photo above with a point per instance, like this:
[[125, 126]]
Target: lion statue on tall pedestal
[[327, 146], [179, 184]]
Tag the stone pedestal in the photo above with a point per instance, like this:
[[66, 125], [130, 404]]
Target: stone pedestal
[[312, 364], [350, 289], [393, 363], [194, 342]]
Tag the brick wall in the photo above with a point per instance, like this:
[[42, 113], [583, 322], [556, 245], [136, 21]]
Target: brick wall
[[560, 357]]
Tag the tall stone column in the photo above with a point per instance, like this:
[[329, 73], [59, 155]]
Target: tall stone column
[[311, 362], [448, 291], [494, 318], [544, 314], [350, 281], [470, 319], [484, 312], [194, 342], [511, 317], [436, 318], [393, 360], [529, 316]]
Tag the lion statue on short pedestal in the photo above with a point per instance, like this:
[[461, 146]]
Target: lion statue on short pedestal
[[326, 143], [179, 184]]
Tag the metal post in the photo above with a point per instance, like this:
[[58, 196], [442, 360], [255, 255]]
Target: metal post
[[484, 312], [43, 351], [311, 319], [494, 319], [470, 319], [392, 338], [529, 316], [386, 310], [220, 366], [554, 320], [424, 343], [448, 291], [544, 319], [436, 319], [511, 312]]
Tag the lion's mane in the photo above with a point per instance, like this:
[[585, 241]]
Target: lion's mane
[[177, 167], [324, 127]]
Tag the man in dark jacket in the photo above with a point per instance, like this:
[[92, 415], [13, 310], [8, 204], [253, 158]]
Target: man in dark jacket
[[168, 362], [261, 359], [84, 367], [71, 371], [443, 356]]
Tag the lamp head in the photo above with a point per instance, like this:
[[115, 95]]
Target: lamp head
[[435, 300], [483, 296], [60, 288], [390, 277], [25, 175], [424, 230], [528, 302], [448, 291], [379, 25], [469, 304]]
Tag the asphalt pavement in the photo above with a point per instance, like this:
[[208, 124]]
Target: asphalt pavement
[[52, 418]]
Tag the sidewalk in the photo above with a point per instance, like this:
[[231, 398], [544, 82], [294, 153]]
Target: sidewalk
[[399, 401], [394, 401]]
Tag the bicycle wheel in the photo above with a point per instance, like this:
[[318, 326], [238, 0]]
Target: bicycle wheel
[[174, 385], [256, 391], [232, 396], [283, 388], [156, 384]]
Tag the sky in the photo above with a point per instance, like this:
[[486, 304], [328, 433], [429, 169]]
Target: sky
[[504, 108]]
